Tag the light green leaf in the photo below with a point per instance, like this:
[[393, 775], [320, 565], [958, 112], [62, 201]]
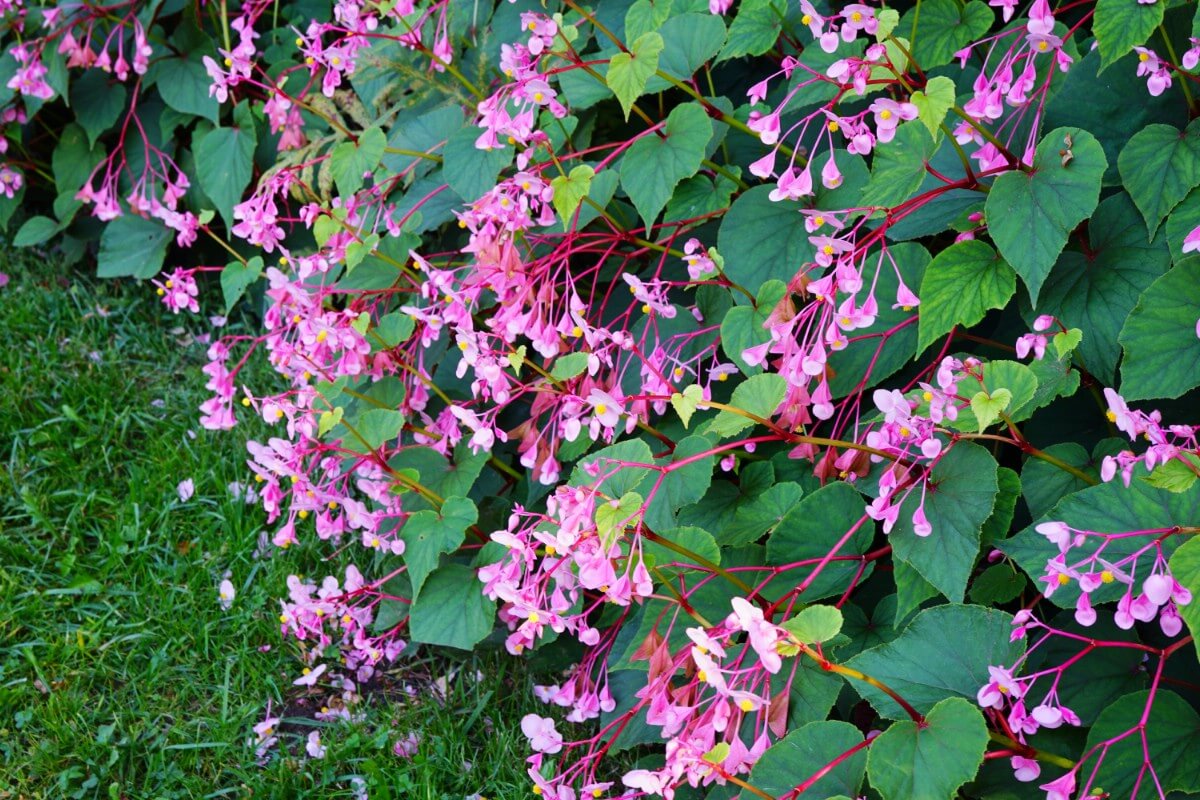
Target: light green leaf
[[653, 165], [568, 366], [815, 624], [685, 402], [628, 72], [987, 408], [933, 759], [1175, 475], [1031, 214], [569, 191], [887, 19], [960, 285], [934, 102], [1066, 342]]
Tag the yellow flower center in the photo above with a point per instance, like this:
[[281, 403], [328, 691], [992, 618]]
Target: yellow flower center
[[1107, 577], [1063, 579], [601, 409], [833, 126]]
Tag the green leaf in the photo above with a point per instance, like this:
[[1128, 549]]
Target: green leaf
[[944, 27], [899, 167], [680, 485], [1120, 26], [1170, 739], [759, 395], [761, 515], [394, 328], [569, 191], [35, 231], [1185, 568], [1107, 508], [761, 240], [998, 584], [1159, 166], [376, 426], [350, 160], [132, 247], [470, 171], [1095, 290], [963, 492], [224, 165], [934, 102], [960, 285], [628, 72], [744, 326], [452, 609], [97, 101], [237, 277], [626, 479], [804, 753], [183, 84], [691, 40], [966, 639], [930, 760], [812, 529], [1117, 106], [685, 402], [1044, 484], [755, 29], [692, 539], [1162, 350], [1031, 214], [815, 624], [988, 407], [652, 166], [429, 534], [997, 525]]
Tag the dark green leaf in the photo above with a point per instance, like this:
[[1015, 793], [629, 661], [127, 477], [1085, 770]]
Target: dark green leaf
[[1159, 166], [960, 285], [1162, 348], [652, 166], [933, 759], [452, 609]]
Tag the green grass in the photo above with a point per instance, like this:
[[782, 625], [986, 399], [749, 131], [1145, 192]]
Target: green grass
[[120, 675]]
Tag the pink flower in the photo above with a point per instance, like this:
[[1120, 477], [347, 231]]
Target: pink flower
[[1001, 685], [1025, 769], [226, 593], [313, 747], [406, 746], [763, 635], [185, 490], [309, 678], [1061, 788], [541, 733]]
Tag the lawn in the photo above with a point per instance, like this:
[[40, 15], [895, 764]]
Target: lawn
[[121, 676]]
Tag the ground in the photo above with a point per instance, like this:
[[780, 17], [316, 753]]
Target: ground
[[120, 674]]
